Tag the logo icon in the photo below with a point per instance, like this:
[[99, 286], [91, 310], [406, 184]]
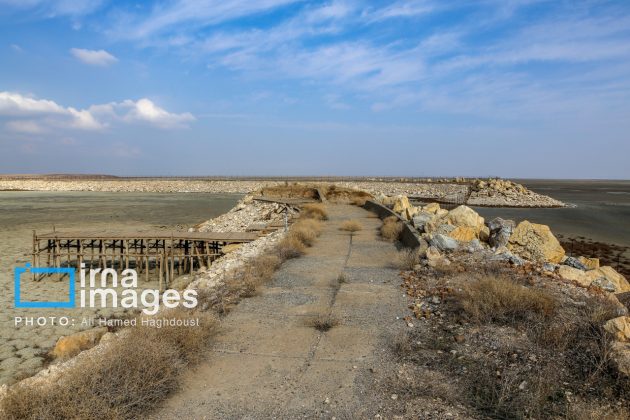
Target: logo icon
[[19, 271]]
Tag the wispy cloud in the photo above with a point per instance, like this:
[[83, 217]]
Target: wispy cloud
[[99, 58], [194, 14]]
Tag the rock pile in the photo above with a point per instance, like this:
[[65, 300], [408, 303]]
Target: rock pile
[[531, 246], [506, 193], [247, 212], [493, 192], [463, 229]]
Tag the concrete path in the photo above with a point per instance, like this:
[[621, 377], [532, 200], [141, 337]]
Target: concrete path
[[267, 361]]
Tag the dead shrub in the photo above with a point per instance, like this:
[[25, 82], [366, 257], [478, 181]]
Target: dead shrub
[[391, 228], [305, 231], [499, 299], [290, 247], [408, 258], [324, 323], [126, 379], [314, 211], [351, 226]]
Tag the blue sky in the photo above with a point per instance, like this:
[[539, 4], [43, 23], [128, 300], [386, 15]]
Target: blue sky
[[513, 88]]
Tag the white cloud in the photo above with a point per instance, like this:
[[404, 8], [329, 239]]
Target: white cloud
[[146, 111], [94, 57], [31, 115]]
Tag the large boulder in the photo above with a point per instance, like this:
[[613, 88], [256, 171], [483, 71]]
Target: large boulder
[[421, 219], [466, 217], [620, 354], [500, 232], [619, 328], [463, 234], [574, 274], [536, 243], [401, 203], [72, 345], [608, 279], [432, 208]]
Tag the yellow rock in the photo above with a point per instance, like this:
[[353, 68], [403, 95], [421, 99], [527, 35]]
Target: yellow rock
[[431, 208], [401, 204], [466, 217], [535, 242], [74, 344], [619, 328], [608, 279], [410, 212], [463, 233], [589, 263], [574, 274]]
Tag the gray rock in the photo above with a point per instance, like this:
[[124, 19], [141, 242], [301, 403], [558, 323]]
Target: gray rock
[[549, 267], [500, 231], [444, 243], [444, 229], [474, 246], [508, 256], [605, 284], [421, 219], [575, 263]]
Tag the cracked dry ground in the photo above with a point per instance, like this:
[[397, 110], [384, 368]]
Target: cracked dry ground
[[267, 361]]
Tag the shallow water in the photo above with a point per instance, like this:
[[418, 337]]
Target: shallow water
[[22, 348], [600, 210]]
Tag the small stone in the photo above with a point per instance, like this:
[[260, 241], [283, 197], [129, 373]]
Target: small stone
[[394, 397]]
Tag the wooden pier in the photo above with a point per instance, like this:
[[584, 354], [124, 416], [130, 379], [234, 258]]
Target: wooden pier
[[168, 254]]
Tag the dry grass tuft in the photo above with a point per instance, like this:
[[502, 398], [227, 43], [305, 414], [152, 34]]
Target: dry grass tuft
[[408, 258], [301, 235], [314, 211], [500, 299], [324, 323], [125, 380], [351, 226], [391, 228], [341, 278]]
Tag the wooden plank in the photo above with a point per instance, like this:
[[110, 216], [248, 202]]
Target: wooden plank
[[156, 235]]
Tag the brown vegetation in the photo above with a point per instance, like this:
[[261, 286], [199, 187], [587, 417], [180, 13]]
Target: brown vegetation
[[314, 211], [351, 226], [324, 323], [408, 258], [500, 299], [391, 228], [506, 343], [123, 380]]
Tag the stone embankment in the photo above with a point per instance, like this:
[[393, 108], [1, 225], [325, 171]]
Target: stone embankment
[[444, 234], [492, 192]]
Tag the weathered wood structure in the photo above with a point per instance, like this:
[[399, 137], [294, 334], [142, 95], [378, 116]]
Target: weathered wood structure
[[166, 254]]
